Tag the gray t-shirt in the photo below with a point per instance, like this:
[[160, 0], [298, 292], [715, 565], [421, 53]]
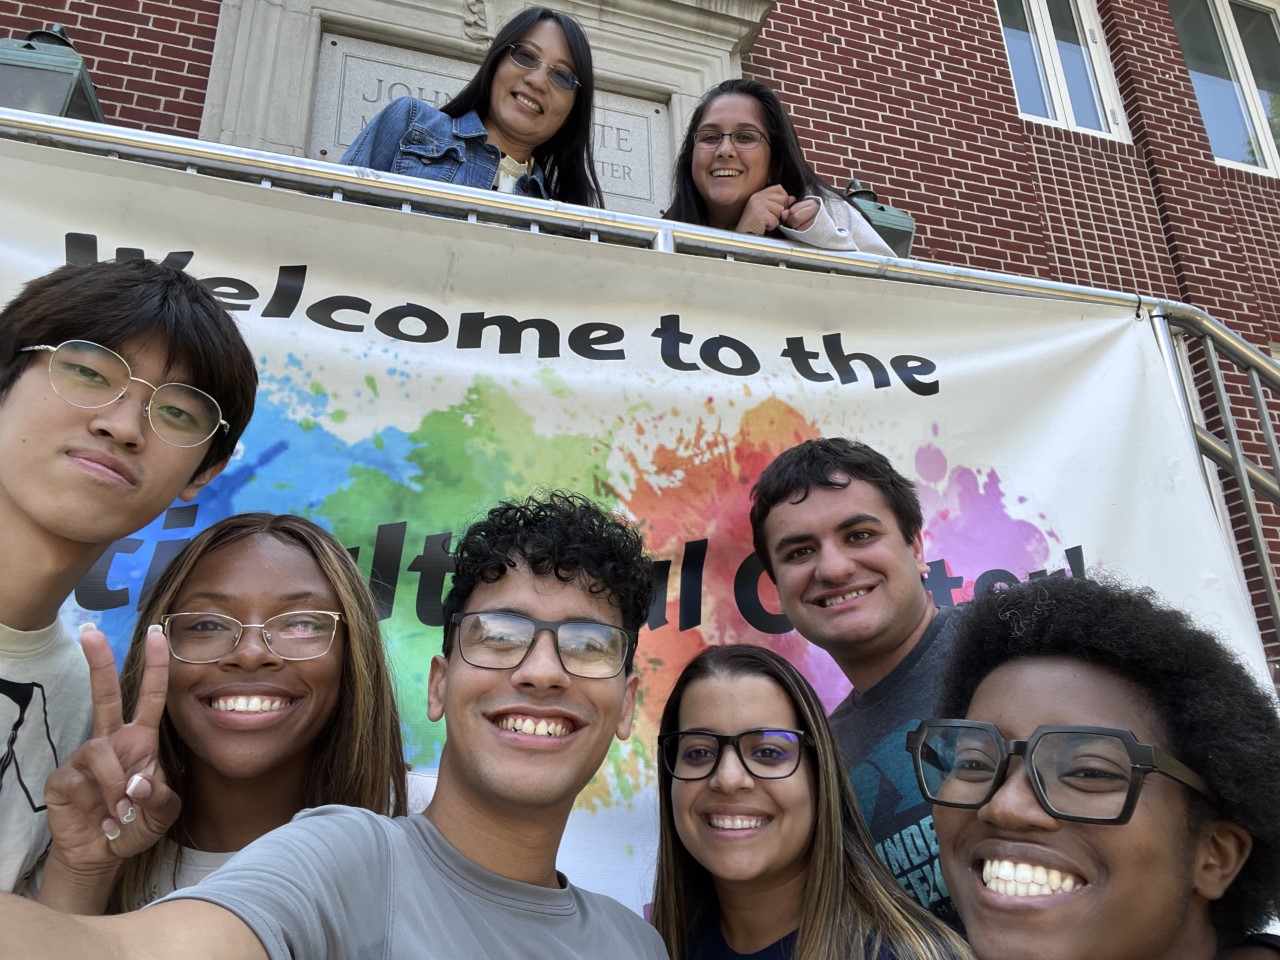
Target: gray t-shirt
[[872, 729], [341, 883]]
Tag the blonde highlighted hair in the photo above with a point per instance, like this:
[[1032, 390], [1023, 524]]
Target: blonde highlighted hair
[[852, 905], [360, 758]]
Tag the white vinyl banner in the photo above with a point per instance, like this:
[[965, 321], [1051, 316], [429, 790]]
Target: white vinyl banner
[[416, 369]]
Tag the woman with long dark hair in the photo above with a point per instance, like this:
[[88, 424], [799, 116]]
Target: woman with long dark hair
[[740, 168], [522, 124], [278, 698], [762, 852]]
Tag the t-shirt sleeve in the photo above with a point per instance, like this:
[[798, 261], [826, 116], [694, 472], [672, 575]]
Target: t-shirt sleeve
[[651, 943], [626, 934], [309, 889]]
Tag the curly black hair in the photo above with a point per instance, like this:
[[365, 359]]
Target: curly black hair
[[558, 534], [1219, 720], [830, 462]]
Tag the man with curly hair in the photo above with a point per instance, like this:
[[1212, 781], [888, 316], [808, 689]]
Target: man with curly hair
[[534, 681], [1109, 785]]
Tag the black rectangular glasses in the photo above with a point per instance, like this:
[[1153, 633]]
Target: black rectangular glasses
[[501, 641], [764, 753], [1086, 774]]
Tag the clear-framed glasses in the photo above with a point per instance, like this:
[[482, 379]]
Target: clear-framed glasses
[[1085, 774], [208, 637], [526, 59], [766, 754], [745, 139], [90, 376], [501, 641]]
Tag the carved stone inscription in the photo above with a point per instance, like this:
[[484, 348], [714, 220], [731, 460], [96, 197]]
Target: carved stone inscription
[[357, 78]]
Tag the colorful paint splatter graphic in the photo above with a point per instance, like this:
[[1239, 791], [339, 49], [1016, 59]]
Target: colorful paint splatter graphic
[[690, 494], [967, 521]]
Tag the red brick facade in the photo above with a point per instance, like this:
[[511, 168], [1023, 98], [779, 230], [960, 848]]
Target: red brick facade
[[916, 98], [149, 59]]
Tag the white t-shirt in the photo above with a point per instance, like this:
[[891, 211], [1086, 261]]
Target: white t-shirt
[[45, 714], [174, 872]]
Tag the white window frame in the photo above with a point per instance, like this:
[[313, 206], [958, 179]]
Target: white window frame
[[1238, 63], [1056, 79]]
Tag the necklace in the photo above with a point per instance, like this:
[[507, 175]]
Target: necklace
[[189, 843]]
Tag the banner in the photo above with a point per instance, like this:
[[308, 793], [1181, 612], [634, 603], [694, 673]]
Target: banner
[[416, 369]]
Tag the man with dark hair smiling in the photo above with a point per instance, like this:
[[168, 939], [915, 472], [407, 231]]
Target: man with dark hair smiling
[[534, 682], [123, 385], [838, 529]]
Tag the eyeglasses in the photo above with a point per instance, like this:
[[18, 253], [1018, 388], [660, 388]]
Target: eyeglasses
[[1085, 774], [89, 375], [501, 641], [526, 59], [766, 754], [741, 139], [208, 637]]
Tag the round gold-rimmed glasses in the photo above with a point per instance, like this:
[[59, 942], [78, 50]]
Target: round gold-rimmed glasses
[[89, 375]]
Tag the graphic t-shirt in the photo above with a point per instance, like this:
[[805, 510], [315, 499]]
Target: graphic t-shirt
[[872, 730], [45, 713]]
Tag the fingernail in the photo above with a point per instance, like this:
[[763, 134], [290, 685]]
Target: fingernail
[[155, 628], [86, 627], [131, 788], [125, 812], [111, 829]]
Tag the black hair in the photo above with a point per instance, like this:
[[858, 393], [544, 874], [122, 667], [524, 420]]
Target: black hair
[[558, 534], [567, 159], [1217, 718], [787, 165], [114, 301], [830, 462]]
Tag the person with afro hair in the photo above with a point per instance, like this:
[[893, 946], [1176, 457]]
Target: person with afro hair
[[1112, 789]]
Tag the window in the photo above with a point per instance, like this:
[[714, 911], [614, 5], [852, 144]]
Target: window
[[1061, 72], [1232, 49]]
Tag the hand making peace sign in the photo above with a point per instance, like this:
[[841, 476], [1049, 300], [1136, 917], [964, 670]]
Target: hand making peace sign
[[108, 801]]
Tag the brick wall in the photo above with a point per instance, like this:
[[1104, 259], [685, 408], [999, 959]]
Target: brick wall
[[916, 98], [149, 60]]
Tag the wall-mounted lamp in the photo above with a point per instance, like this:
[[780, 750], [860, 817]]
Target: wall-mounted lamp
[[44, 74], [896, 228]]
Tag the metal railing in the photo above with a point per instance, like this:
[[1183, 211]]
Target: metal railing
[[1221, 351], [416, 196]]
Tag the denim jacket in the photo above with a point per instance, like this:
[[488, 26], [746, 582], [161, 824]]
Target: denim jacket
[[414, 139]]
